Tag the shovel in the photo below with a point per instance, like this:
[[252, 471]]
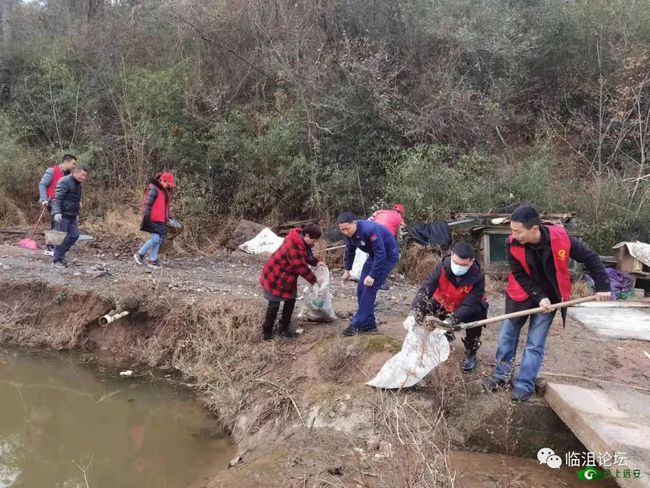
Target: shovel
[[29, 243], [424, 349]]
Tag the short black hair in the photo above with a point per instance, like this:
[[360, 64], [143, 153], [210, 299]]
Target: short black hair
[[346, 218], [312, 230], [464, 250], [527, 216], [68, 157]]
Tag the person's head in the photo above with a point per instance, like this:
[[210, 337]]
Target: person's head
[[399, 207], [68, 162], [166, 180], [525, 225], [462, 258], [311, 233], [347, 224], [80, 173]]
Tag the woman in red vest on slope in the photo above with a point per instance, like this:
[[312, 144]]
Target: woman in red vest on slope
[[155, 214]]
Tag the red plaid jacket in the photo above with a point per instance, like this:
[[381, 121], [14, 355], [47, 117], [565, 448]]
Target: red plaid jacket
[[281, 271]]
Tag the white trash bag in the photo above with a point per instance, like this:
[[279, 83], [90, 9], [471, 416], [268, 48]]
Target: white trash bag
[[318, 299], [266, 242], [422, 351], [357, 266]]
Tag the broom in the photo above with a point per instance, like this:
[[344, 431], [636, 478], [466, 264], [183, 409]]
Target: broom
[[29, 243]]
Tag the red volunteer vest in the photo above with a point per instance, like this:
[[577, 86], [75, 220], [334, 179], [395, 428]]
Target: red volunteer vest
[[561, 247], [58, 174], [159, 208], [448, 295]]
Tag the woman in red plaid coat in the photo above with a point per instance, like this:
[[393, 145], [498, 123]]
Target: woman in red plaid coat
[[280, 276]]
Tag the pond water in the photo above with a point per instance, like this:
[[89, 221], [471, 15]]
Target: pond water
[[63, 424]]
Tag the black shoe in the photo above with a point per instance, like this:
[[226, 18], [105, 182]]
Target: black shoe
[[369, 330], [518, 395], [495, 384], [155, 264], [288, 333], [267, 334], [138, 258], [60, 264], [350, 330]]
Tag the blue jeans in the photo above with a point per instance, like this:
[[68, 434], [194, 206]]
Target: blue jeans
[[364, 319], [531, 361], [69, 225], [151, 246]]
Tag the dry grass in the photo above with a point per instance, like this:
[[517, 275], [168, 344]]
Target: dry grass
[[16, 323], [10, 213], [417, 262], [122, 223], [340, 357], [217, 346], [580, 289], [419, 439]]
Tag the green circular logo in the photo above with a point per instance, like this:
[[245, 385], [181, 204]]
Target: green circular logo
[[590, 473]]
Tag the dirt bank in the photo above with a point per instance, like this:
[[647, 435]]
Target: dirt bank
[[298, 410]]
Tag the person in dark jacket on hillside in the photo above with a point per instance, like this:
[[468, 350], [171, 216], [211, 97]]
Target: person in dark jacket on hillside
[[455, 293], [155, 214], [539, 276], [47, 187], [65, 208], [280, 276], [383, 254]]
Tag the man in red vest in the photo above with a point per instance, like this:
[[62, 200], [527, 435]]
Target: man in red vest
[[47, 186], [455, 292], [539, 276]]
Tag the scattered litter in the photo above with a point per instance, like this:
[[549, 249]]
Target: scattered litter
[[266, 242], [646, 354], [235, 462], [97, 271], [126, 374], [300, 331]]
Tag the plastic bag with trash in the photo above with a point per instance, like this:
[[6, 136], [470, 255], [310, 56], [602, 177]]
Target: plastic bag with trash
[[318, 298], [360, 258]]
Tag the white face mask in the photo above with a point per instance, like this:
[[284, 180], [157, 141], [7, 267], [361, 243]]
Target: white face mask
[[459, 270]]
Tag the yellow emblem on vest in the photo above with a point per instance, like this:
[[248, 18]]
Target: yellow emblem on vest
[[561, 254]]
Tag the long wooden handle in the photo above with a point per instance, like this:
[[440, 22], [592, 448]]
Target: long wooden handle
[[524, 313], [31, 236]]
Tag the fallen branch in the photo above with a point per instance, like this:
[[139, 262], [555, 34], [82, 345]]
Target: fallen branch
[[578, 377], [260, 380]]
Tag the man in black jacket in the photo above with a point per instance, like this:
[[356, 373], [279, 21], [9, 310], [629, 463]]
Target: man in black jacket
[[65, 208], [539, 276], [455, 292]]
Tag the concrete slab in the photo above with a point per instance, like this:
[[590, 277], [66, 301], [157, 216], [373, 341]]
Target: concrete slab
[[608, 419], [620, 322]]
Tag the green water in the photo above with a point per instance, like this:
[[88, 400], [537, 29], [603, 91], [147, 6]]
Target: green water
[[64, 425]]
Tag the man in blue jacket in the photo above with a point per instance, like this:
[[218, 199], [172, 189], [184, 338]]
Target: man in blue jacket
[[383, 254], [65, 208]]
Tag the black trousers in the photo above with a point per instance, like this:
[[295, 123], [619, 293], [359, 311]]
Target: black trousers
[[272, 310]]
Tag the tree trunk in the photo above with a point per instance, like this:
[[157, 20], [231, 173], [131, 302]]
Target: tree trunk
[[6, 7]]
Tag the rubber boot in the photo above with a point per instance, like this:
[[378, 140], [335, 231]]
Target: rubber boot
[[269, 320], [285, 320], [471, 347]]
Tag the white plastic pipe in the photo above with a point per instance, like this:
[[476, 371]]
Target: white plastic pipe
[[108, 318]]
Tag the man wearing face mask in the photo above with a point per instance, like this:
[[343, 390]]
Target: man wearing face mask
[[455, 292]]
